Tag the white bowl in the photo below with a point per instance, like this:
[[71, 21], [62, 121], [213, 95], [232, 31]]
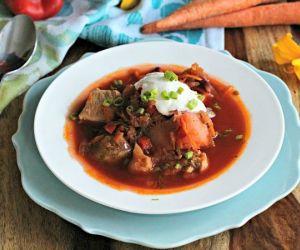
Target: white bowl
[[262, 148]]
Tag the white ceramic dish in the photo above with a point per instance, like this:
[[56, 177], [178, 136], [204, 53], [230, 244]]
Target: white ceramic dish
[[263, 146]]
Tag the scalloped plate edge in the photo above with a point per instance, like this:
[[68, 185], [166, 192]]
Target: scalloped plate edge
[[236, 224]]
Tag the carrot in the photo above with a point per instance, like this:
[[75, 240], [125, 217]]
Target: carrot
[[272, 14], [192, 133], [199, 9]]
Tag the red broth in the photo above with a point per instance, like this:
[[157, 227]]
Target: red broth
[[232, 116]]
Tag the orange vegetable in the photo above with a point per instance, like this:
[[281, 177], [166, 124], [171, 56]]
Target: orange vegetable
[[197, 10], [192, 133], [271, 14]]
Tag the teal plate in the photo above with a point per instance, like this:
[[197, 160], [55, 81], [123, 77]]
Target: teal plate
[[158, 231]]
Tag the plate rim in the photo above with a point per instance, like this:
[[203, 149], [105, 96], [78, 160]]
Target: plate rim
[[240, 222], [177, 210]]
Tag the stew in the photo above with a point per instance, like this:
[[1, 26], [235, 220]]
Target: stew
[[157, 128]]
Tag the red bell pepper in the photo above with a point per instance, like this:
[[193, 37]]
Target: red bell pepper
[[36, 9], [145, 143], [110, 127]]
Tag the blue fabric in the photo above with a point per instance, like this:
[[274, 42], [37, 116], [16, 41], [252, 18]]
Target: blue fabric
[[118, 27], [100, 22]]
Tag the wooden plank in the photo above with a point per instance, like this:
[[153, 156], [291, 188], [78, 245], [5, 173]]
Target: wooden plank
[[258, 44], [23, 224], [277, 228]]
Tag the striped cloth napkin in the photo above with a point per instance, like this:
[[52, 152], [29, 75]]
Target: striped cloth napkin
[[100, 22]]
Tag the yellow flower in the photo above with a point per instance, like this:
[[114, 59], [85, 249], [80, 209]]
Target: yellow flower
[[128, 4], [296, 64], [287, 51]]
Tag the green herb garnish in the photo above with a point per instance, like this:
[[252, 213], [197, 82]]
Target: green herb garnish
[[225, 133], [118, 101], [140, 111], [73, 116], [201, 97], [154, 92], [178, 166], [217, 106], [129, 109], [192, 104], [107, 102], [239, 137], [188, 155], [173, 95], [146, 96], [164, 95], [180, 90], [170, 76], [149, 95], [118, 82]]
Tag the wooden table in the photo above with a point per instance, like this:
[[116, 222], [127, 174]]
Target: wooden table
[[25, 225]]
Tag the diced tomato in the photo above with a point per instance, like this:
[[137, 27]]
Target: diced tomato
[[110, 127], [145, 143]]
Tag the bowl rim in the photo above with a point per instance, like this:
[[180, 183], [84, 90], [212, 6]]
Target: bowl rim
[[120, 207]]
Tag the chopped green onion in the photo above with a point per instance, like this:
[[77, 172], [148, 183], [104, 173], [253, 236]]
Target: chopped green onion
[[180, 90], [118, 101], [118, 82], [140, 111], [164, 95], [107, 102], [217, 106], [144, 98], [188, 155], [225, 133], [73, 116], [173, 95], [149, 95], [129, 109], [154, 91], [201, 97], [178, 166], [239, 137], [155, 199], [192, 104], [170, 76]]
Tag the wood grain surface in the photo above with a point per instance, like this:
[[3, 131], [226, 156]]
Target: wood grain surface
[[25, 225]]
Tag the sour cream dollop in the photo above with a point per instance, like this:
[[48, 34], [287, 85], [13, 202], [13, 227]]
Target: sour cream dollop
[[187, 99]]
